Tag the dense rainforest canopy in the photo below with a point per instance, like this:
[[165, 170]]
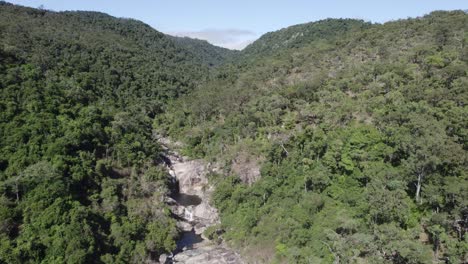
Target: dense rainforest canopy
[[360, 134], [79, 174], [339, 140]]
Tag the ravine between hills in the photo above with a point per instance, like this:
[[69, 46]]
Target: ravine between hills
[[190, 203]]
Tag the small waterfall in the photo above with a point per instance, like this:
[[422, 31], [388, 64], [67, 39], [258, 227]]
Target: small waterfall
[[188, 214], [172, 173], [191, 175]]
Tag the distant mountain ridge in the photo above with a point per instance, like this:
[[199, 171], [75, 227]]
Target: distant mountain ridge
[[297, 35]]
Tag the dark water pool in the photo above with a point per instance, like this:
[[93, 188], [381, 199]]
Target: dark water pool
[[188, 239], [186, 199]]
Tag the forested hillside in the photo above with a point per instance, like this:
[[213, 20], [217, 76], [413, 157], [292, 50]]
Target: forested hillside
[[299, 35], [79, 174], [346, 142], [338, 141]]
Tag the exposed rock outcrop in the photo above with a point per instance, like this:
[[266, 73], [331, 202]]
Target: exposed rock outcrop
[[208, 253], [247, 167], [192, 180], [191, 176]]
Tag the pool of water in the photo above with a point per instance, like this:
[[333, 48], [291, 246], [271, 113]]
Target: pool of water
[[188, 239], [186, 199]]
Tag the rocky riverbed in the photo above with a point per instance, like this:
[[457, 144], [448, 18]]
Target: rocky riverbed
[[191, 203]]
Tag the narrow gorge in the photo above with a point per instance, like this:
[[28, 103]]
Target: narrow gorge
[[190, 202]]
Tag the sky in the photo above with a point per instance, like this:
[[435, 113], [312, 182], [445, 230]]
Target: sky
[[235, 23]]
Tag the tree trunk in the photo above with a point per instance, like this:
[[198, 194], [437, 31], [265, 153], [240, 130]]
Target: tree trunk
[[17, 191], [418, 188]]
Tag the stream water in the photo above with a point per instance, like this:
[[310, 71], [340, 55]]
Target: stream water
[[194, 214], [188, 238], [186, 199], [187, 241]]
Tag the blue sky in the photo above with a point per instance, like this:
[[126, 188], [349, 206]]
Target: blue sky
[[234, 23]]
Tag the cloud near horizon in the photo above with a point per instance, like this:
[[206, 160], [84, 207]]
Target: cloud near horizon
[[227, 38]]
